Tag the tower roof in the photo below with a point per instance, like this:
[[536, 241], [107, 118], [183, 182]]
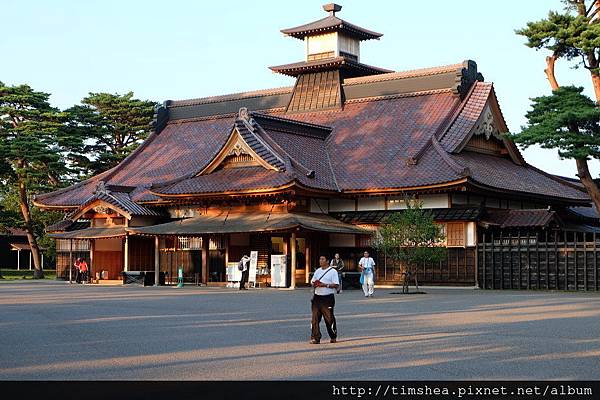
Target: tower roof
[[331, 23]]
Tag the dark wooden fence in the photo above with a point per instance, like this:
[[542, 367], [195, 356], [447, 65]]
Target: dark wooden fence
[[457, 269], [544, 259]]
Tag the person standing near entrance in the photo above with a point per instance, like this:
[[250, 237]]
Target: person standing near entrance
[[76, 264], [83, 267], [367, 267], [338, 264], [325, 282], [244, 262]]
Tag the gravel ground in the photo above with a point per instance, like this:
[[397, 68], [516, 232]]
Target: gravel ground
[[53, 330]]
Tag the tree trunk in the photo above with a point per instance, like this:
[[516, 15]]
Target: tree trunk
[[549, 71], [38, 273], [596, 83], [586, 179]]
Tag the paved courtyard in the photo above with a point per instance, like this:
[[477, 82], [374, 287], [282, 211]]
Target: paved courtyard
[[51, 330]]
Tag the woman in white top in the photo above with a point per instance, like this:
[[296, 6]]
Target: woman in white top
[[367, 267]]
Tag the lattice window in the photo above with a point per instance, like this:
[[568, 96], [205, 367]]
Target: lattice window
[[64, 245], [455, 234]]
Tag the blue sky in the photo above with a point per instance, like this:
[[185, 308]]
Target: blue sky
[[184, 49]]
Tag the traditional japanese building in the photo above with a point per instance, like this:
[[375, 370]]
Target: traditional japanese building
[[315, 167]]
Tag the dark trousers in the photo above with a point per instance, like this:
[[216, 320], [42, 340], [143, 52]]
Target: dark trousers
[[322, 306], [244, 279]]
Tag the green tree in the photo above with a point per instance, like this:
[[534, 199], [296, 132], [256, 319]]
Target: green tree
[[570, 122], [30, 157], [573, 35], [411, 237], [111, 125]]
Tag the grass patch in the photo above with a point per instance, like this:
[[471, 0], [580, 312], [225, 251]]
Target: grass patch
[[13, 274]]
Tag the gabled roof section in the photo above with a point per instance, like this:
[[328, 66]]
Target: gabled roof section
[[286, 152], [479, 115], [113, 199], [245, 140]]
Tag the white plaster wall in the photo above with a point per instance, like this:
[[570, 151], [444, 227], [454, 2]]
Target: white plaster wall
[[371, 204], [471, 234], [319, 206], [341, 205], [322, 43]]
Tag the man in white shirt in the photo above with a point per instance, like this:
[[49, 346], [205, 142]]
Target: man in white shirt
[[325, 281], [367, 267], [245, 271]]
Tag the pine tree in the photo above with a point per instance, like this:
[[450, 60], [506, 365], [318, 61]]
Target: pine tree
[[572, 35], [30, 157], [112, 124]]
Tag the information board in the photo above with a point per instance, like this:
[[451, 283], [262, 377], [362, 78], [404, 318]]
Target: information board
[[253, 265], [233, 273], [278, 271]]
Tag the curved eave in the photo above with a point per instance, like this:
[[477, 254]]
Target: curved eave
[[296, 69], [564, 200], [344, 27], [291, 185], [375, 191]]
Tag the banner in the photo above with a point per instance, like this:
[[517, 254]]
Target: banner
[[253, 265], [278, 271]]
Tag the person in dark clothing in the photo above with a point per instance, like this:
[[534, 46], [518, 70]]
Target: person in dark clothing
[[338, 264], [325, 281], [245, 264]]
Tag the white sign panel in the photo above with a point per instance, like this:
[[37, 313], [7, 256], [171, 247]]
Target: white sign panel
[[253, 264], [233, 273], [278, 271]]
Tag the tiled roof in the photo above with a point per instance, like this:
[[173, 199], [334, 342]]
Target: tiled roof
[[249, 222], [370, 143], [439, 214], [329, 24], [228, 180], [13, 232], [501, 173], [467, 118], [519, 218]]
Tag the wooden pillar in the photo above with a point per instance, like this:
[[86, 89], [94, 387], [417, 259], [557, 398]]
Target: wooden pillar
[[205, 250], [126, 254], [70, 260], [293, 260], [42, 266], [18, 260], [30, 259], [156, 261], [91, 266], [307, 256]]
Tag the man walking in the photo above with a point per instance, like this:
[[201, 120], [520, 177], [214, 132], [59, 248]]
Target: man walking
[[325, 281], [245, 271], [338, 264], [367, 266]]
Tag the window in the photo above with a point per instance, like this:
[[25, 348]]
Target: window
[[455, 234]]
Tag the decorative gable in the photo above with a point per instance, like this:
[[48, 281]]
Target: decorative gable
[[244, 148], [486, 137]]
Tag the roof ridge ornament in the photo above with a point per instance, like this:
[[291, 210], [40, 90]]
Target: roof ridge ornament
[[332, 8], [101, 188], [244, 114]]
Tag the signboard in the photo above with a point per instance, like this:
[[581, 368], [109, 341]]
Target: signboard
[[253, 264], [278, 271], [233, 273]]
